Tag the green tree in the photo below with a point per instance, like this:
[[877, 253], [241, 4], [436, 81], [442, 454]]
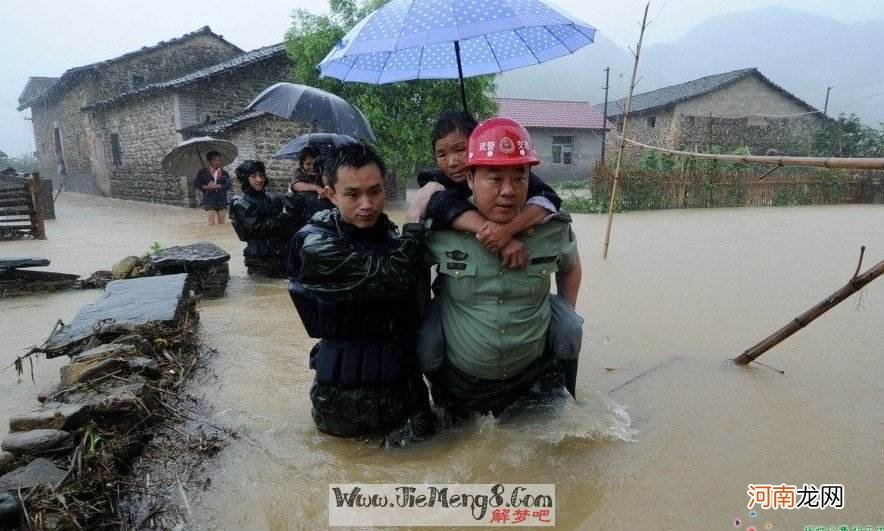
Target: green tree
[[401, 114], [847, 137]]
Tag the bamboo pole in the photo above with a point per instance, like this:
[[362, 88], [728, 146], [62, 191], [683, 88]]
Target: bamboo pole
[[37, 197], [684, 182], [616, 181], [845, 163], [855, 284]]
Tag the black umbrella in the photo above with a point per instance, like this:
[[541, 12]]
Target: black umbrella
[[322, 141], [323, 110]]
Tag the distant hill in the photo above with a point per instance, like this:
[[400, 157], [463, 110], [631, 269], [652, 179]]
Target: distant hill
[[802, 52], [577, 77]]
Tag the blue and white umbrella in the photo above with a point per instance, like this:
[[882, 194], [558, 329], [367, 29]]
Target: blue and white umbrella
[[453, 39]]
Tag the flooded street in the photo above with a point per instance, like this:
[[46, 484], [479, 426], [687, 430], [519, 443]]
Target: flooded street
[[667, 433]]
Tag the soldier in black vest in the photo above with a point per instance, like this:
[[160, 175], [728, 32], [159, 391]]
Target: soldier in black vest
[[352, 278], [265, 221]]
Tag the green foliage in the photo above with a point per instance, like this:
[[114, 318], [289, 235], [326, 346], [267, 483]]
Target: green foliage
[[401, 114], [847, 137], [791, 196], [594, 201], [572, 185], [659, 161], [92, 440], [155, 248]]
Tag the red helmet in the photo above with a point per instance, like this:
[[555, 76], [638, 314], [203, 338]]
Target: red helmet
[[500, 142]]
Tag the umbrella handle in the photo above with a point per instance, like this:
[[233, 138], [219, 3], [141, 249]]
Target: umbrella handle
[[200, 155], [463, 94]]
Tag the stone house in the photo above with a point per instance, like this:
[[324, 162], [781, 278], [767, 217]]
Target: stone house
[[733, 110], [142, 125], [106, 127], [67, 140], [567, 135]]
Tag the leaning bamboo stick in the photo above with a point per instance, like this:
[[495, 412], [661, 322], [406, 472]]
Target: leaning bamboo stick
[[855, 284], [851, 163], [616, 183]]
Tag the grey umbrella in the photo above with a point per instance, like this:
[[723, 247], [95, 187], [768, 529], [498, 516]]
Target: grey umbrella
[[321, 141], [323, 110], [189, 156]]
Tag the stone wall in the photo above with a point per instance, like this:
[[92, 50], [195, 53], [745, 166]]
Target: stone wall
[[226, 95], [64, 113], [747, 96], [790, 136], [146, 129], [161, 64], [654, 128], [259, 139]]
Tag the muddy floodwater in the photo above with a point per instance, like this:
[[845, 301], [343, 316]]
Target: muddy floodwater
[[667, 433]]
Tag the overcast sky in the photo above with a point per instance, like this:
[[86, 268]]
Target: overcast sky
[[46, 37]]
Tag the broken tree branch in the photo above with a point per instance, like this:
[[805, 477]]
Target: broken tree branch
[[855, 284], [862, 251]]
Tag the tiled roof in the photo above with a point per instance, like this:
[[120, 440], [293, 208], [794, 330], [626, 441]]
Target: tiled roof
[[551, 113], [74, 74], [684, 91], [240, 61], [35, 87], [218, 127]]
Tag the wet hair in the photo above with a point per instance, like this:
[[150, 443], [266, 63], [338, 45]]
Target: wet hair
[[324, 163], [307, 151], [247, 168], [211, 155], [353, 156], [452, 121]]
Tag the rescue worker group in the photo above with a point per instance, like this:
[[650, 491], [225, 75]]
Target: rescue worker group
[[400, 356]]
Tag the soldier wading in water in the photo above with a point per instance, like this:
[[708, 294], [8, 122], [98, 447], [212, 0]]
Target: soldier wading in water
[[352, 280]]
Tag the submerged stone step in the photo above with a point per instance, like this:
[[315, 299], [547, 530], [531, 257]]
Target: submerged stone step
[[6, 461], [205, 262], [10, 262], [35, 441], [126, 304], [38, 472], [53, 416], [201, 254]]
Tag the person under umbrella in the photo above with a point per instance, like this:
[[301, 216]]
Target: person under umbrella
[[306, 177], [444, 194], [445, 198], [214, 183], [352, 280], [495, 321], [265, 221], [317, 166]]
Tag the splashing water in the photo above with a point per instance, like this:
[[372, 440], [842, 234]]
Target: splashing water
[[595, 418]]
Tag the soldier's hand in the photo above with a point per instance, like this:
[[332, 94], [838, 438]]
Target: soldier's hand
[[514, 255], [494, 236]]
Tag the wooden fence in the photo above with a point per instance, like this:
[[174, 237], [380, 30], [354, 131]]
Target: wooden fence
[[21, 210], [679, 188]]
